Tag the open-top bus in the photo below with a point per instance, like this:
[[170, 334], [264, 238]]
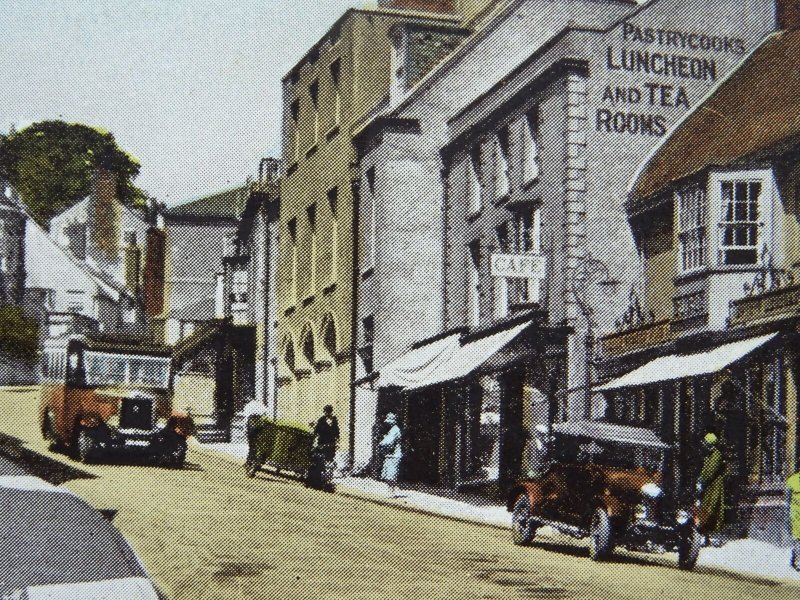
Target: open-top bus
[[101, 395]]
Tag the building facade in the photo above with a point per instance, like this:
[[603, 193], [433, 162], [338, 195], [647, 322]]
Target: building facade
[[341, 79], [499, 202], [711, 345]]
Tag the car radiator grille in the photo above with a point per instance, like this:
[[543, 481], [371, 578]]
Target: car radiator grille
[[136, 413]]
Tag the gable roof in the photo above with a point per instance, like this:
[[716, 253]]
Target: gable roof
[[228, 204], [755, 108]]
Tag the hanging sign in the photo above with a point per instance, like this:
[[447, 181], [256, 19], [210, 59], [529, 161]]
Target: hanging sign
[[522, 266]]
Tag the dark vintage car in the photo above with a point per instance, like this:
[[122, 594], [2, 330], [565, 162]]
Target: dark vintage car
[[99, 397], [603, 482]]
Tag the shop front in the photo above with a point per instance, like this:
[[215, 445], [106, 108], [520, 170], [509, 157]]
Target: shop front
[[744, 392], [470, 403]]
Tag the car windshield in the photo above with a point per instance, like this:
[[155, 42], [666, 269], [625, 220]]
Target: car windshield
[[583, 450], [122, 369]]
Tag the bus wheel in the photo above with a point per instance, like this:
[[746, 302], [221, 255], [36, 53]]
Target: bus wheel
[[49, 431], [86, 447]]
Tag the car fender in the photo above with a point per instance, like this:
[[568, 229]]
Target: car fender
[[531, 489]]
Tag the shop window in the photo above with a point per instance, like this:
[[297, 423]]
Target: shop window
[[692, 227], [531, 165], [473, 180], [474, 284], [740, 222], [502, 164], [773, 428], [333, 202]]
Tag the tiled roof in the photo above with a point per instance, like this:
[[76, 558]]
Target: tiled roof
[[227, 204], [755, 109]]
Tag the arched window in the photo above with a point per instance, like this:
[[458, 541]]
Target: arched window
[[329, 336], [307, 341]]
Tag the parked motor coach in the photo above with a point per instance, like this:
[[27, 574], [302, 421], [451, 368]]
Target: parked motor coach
[[102, 395]]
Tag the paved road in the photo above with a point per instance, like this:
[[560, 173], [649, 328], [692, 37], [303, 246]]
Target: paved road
[[207, 532]]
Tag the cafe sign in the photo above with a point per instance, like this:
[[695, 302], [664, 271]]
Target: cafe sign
[[522, 266]]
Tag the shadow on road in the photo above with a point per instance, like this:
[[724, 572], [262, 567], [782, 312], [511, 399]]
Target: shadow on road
[[36, 464]]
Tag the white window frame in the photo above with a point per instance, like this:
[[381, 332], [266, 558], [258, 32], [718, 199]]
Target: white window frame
[[473, 181], [695, 230], [764, 219], [502, 155], [473, 284], [531, 158]]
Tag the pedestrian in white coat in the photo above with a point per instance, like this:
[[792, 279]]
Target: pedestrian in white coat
[[392, 452]]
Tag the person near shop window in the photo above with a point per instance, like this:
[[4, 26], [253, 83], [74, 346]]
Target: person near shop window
[[711, 489], [392, 452], [793, 501], [326, 433], [252, 413]]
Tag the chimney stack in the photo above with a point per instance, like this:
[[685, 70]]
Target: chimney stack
[[787, 14]]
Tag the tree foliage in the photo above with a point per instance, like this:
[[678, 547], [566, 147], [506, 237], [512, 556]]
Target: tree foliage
[[50, 163], [19, 335]]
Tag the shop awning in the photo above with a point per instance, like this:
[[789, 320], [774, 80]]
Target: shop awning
[[678, 366], [445, 359]]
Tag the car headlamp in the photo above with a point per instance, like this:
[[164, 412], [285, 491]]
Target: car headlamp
[[651, 490], [682, 517]]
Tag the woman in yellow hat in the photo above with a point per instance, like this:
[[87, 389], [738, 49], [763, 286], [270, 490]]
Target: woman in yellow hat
[[711, 487], [793, 487]]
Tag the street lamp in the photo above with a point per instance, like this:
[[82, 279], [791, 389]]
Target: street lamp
[[588, 272]]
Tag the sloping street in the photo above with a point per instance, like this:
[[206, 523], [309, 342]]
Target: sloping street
[[208, 532]]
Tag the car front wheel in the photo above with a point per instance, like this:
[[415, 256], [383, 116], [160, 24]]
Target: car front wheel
[[175, 453], [523, 528], [689, 549], [601, 535]]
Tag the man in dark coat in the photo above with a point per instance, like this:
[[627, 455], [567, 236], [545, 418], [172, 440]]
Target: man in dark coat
[[326, 433]]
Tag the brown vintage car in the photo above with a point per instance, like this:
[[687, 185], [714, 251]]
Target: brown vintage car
[[604, 482], [100, 397]]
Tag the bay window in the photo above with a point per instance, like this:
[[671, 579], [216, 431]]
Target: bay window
[[739, 224], [692, 230]]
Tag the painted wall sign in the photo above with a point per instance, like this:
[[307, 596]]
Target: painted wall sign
[[524, 266], [659, 56]]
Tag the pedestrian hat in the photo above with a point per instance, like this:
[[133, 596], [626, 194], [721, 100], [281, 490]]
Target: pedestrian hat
[[391, 419], [710, 439]]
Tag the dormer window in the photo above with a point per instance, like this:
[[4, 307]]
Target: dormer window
[[739, 224]]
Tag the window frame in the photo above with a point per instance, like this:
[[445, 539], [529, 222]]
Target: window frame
[[700, 226]]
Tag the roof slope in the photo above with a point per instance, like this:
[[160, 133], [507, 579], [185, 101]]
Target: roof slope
[[756, 107], [227, 204]]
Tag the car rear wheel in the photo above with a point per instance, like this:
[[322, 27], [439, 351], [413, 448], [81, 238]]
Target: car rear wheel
[[601, 536], [523, 528], [86, 447], [689, 549]]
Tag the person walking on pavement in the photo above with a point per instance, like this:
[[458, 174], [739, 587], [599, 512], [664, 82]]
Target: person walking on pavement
[[392, 452], [711, 488], [252, 413], [326, 433], [793, 497]]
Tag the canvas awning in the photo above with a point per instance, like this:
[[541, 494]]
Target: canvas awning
[[445, 359], [678, 366], [610, 432]]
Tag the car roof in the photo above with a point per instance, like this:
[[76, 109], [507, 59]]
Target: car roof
[[51, 536], [610, 432]]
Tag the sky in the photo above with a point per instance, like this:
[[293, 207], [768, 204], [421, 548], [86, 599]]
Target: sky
[[191, 88]]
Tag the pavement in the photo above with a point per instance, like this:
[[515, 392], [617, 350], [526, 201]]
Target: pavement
[[744, 556]]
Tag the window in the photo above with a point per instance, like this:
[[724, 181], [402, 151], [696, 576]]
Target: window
[[739, 224], [501, 283], [292, 227], [308, 347], [368, 337], [336, 74], [473, 180], [313, 92], [229, 245], [333, 201], [503, 168], [368, 221], [311, 213], [474, 284], [531, 166], [525, 239], [239, 287], [129, 237], [295, 114], [4, 264], [692, 228]]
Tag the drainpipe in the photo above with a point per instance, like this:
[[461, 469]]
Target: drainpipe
[[355, 190]]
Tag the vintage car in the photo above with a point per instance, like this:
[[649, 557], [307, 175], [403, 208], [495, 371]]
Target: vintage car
[[603, 482], [101, 396]]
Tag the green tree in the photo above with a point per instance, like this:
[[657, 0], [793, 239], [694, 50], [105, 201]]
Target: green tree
[[50, 163], [19, 335]]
